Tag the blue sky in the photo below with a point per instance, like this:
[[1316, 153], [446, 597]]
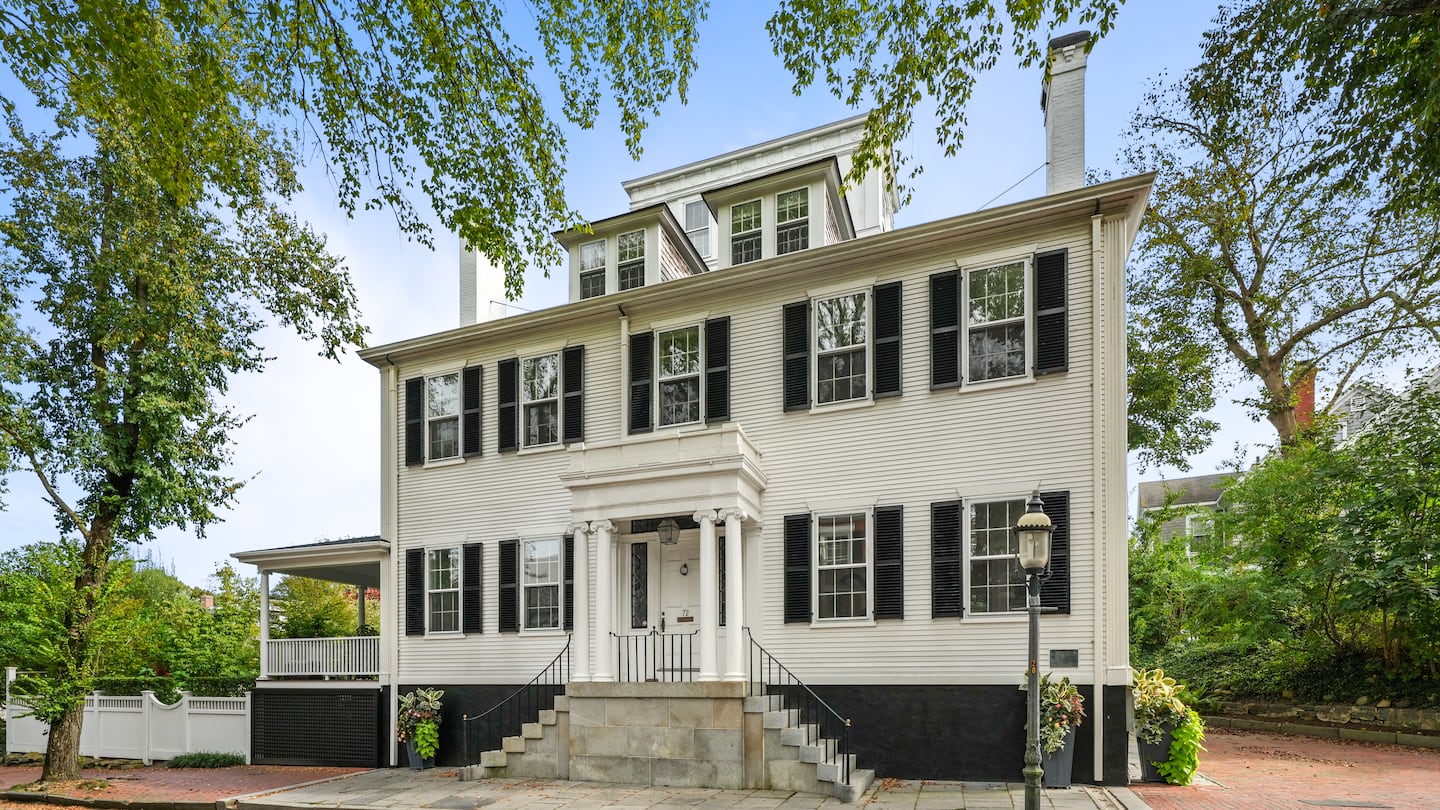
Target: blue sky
[[311, 452]]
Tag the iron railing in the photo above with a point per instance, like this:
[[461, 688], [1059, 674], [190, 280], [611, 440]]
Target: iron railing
[[486, 731], [770, 677], [655, 656]]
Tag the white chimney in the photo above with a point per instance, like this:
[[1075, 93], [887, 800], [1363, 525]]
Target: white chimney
[[482, 288], [1063, 101]]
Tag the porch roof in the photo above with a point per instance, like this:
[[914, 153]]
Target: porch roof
[[351, 560]]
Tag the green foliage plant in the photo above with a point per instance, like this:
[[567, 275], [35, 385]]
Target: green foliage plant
[[419, 720], [206, 759], [1062, 708], [1185, 750], [1157, 703]]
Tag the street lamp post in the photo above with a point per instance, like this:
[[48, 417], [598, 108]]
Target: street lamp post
[[1032, 531]]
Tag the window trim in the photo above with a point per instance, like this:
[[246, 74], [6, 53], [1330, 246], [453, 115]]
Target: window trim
[[621, 264], [707, 230], [459, 454], [869, 567], [525, 402], [558, 583], [698, 375], [967, 557], [1026, 318], [458, 590], [869, 348]]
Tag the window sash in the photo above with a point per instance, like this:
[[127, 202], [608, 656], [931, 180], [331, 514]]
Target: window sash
[[540, 579], [592, 283], [745, 232], [442, 416], [443, 590], [996, 308], [678, 367], [996, 581], [540, 395], [792, 217], [843, 555], [592, 255], [697, 227], [632, 275], [842, 342]]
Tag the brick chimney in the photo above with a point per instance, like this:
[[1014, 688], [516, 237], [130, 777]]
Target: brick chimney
[[1063, 101]]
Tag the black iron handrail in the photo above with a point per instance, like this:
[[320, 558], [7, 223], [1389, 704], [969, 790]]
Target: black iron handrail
[[655, 656], [770, 677], [522, 706]]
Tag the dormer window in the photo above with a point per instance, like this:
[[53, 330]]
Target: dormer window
[[592, 268], [745, 232], [792, 221], [697, 227], [632, 260]]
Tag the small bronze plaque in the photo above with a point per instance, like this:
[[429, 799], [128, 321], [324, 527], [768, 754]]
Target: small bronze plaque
[[1060, 659]]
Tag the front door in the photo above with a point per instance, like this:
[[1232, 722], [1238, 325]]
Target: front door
[[680, 586]]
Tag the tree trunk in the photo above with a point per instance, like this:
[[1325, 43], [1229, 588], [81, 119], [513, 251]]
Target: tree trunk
[[1286, 426], [62, 752]]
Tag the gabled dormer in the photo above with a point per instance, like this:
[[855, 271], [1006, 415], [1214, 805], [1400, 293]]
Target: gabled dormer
[[636, 249]]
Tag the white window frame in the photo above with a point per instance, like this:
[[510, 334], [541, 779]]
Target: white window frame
[[526, 402], [622, 264], [1191, 520], [590, 270], [1017, 508], [1026, 322], [758, 232], [661, 379], [867, 565], [868, 345], [803, 221], [453, 553], [700, 233], [558, 583], [432, 420]]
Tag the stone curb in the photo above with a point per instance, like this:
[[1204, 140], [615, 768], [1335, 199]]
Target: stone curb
[[101, 804], [1325, 732], [1126, 798], [232, 801]]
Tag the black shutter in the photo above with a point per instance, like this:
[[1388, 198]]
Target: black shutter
[[470, 380], [569, 596], [472, 613], [797, 568], [889, 562], [1055, 587], [717, 369], [509, 597], [572, 386], [797, 357], [887, 340], [1051, 319], [946, 580], [945, 329], [414, 421], [415, 592], [642, 370], [508, 392]]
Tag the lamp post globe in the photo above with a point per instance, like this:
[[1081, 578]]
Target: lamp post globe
[[1032, 535]]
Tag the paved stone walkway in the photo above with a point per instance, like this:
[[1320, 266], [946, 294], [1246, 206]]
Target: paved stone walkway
[[440, 790], [158, 783]]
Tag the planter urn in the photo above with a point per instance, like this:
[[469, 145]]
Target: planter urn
[[1058, 765], [1152, 754]]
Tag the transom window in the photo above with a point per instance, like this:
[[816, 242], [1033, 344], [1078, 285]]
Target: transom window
[[841, 338], [997, 582], [745, 235], [443, 592], [542, 584], [996, 305], [679, 376], [592, 269], [442, 416], [697, 226], [792, 218], [539, 392], [632, 260], [842, 566]]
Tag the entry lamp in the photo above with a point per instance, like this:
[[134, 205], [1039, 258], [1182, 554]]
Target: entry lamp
[[668, 532], [1032, 531]]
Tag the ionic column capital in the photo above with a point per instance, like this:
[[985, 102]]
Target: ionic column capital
[[579, 528], [598, 526], [704, 515], [733, 512]]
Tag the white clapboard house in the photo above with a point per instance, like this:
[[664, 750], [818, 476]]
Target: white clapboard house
[[739, 513]]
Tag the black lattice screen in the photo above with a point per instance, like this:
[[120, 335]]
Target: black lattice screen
[[316, 727]]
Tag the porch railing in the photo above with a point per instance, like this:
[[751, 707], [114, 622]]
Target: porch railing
[[655, 656], [323, 657], [486, 730], [770, 677]]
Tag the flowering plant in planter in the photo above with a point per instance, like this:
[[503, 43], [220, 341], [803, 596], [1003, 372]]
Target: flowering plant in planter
[[1061, 709], [419, 721], [1158, 706]]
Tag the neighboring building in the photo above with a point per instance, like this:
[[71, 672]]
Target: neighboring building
[[1192, 501], [768, 429]]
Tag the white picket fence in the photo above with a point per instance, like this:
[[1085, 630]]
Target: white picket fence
[[140, 727]]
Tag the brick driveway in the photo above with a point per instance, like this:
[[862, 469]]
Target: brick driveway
[[1259, 771], [158, 783]]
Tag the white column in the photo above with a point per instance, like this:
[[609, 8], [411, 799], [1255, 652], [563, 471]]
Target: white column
[[359, 607], [580, 638], [264, 624], [709, 597], [734, 591], [604, 599]]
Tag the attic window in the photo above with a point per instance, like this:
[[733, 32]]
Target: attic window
[[592, 269], [697, 227], [745, 235], [792, 217], [632, 260]]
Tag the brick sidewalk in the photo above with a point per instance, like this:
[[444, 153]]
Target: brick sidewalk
[[1258, 771], [158, 783]]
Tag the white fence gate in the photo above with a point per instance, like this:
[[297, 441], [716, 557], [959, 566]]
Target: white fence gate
[[140, 727]]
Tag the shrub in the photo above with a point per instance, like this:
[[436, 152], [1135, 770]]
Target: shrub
[[207, 759]]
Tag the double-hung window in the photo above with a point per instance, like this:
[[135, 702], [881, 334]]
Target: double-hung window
[[792, 221], [995, 343], [631, 260], [997, 582], [541, 582], [442, 416], [1199, 532], [443, 591], [745, 232], [842, 566], [841, 340], [540, 399], [592, 269], [679, 376], [697, 227]]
